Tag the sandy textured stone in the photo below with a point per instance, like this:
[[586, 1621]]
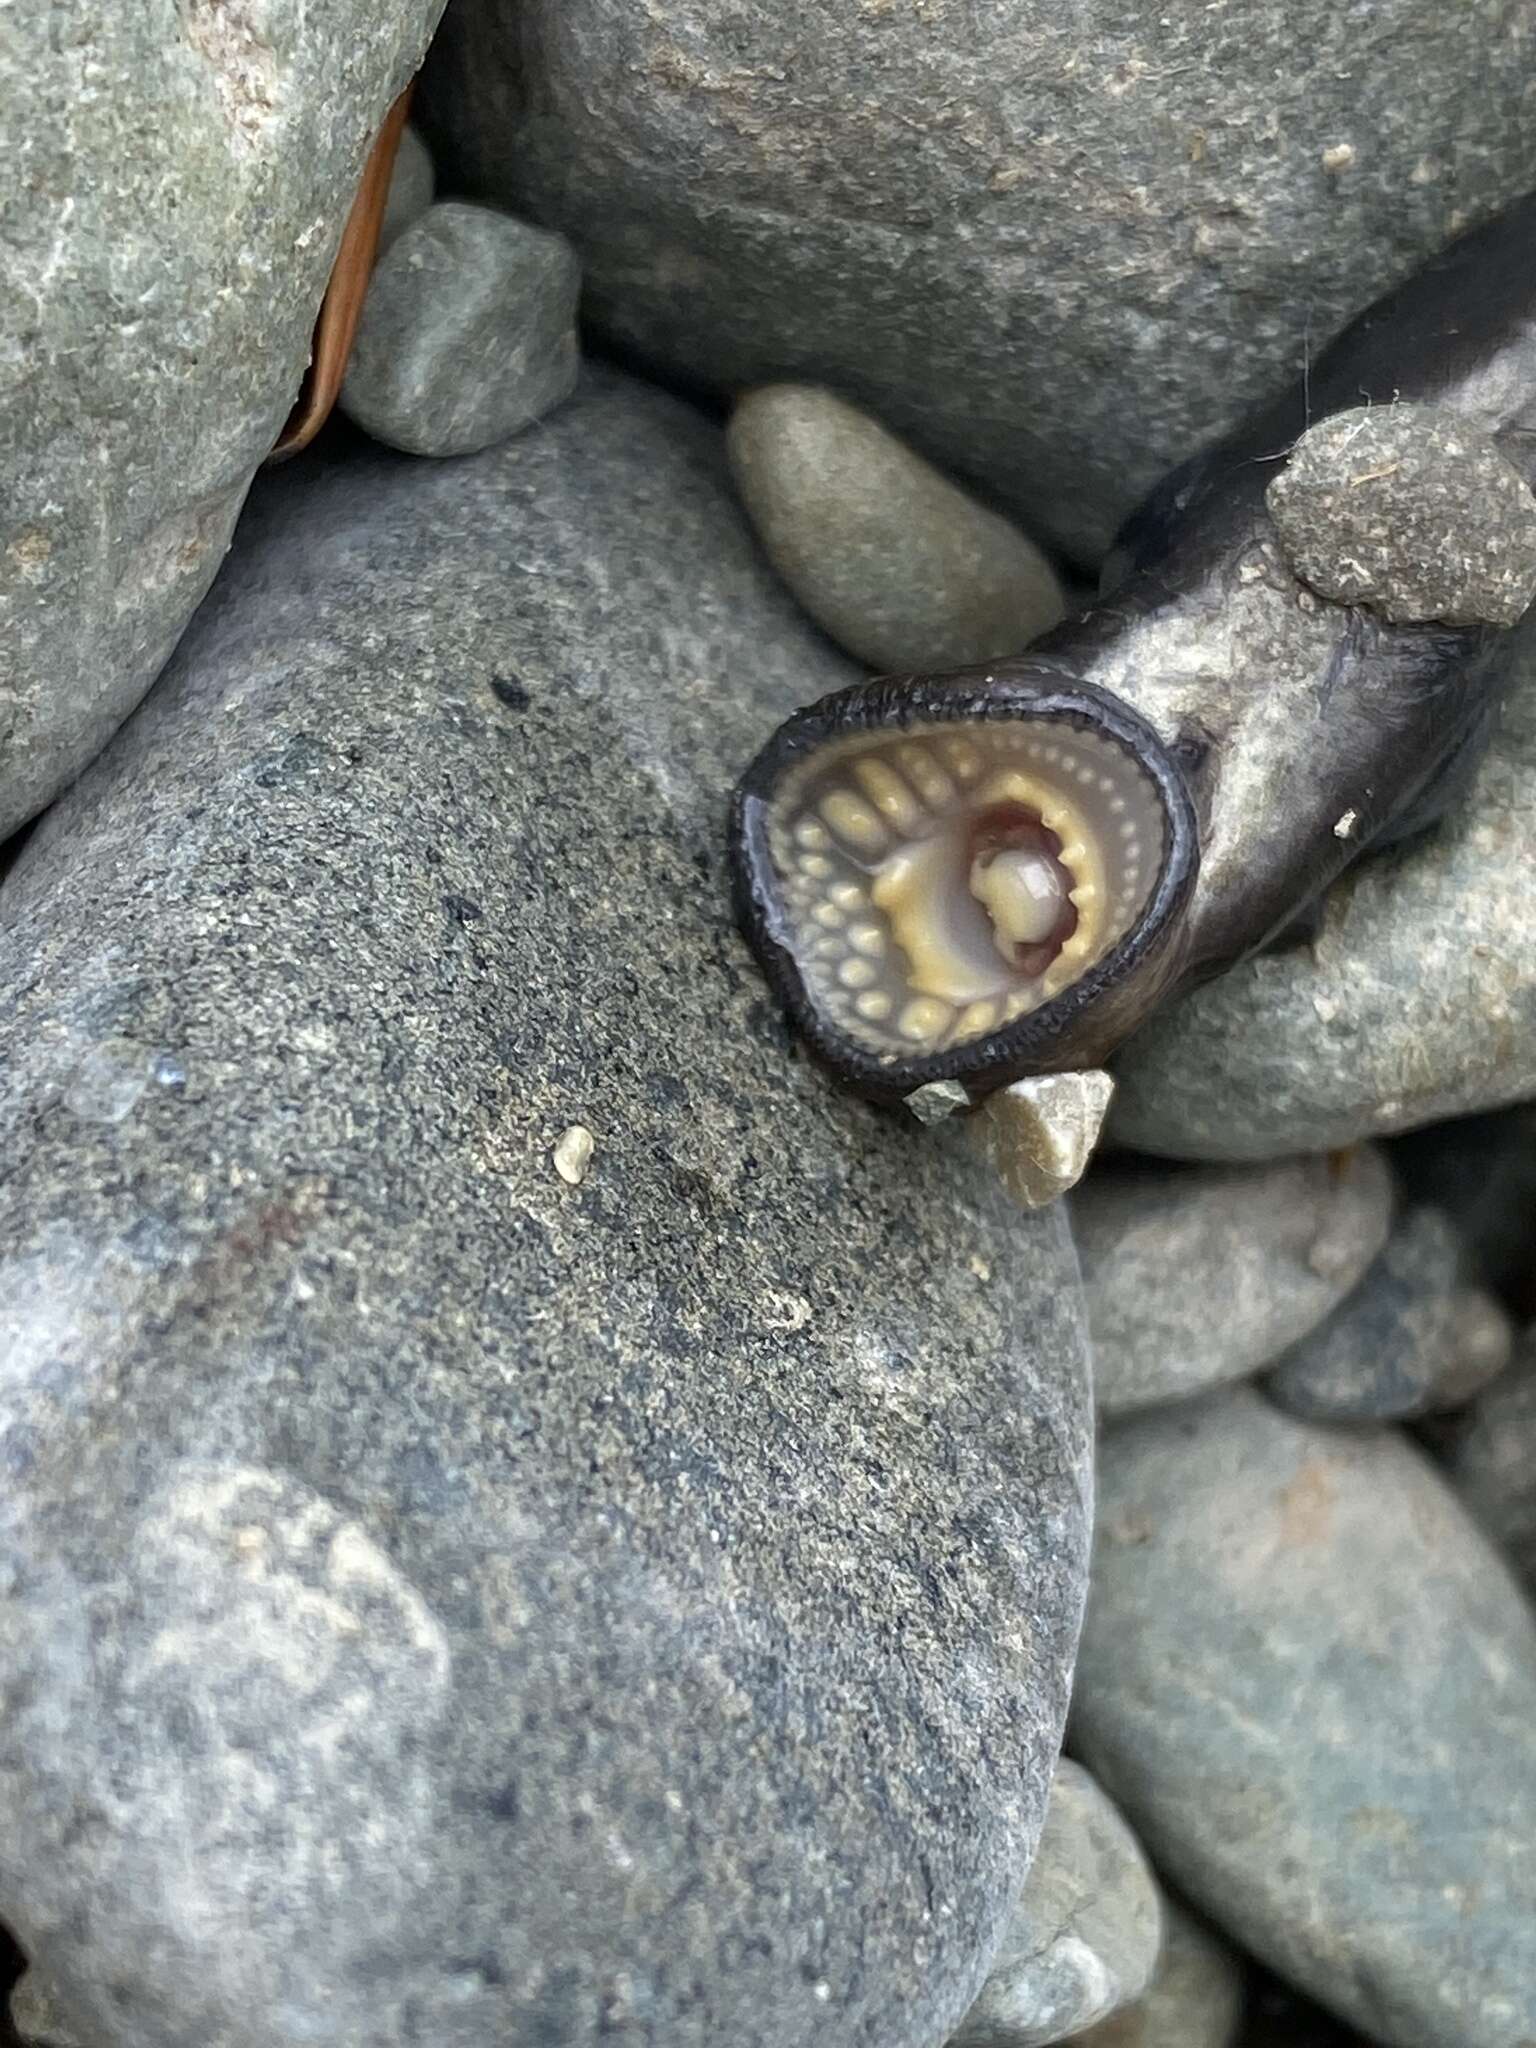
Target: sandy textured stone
[[1491, 1459], [900, 566], [1195, 1999], [639, 1610], [468, 333], [1310, 1683], [1084, 1936], [1039, 1134], [36, 2018], [1411, 1338], [1052, 247], [1412, 511], [1195, 1276], [174, 178], [1416, 1000], [411, 186]]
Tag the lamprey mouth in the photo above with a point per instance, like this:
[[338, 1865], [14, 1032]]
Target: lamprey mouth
[[943, 878]]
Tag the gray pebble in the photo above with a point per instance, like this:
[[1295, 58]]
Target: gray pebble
[[1053, 247], [411, 186], [1195, 1999], [1195, 1276], [628, 1604], [1482, 1171], [176, 179], [1412, 511], [1414, 1002], [900, 566], [1084, 1936], [1410, 1340], [36, 2016], [1490, 1457], [1310, 1683], [468, 333]]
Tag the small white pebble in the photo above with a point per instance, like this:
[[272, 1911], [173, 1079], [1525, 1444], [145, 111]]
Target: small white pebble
[[1346, 825], [573, 1154], [1338, 157]]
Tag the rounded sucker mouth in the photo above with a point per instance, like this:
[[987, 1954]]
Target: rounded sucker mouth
[[970, 877]]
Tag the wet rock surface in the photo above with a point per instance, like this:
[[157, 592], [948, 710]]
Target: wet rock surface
[[902, 568], [1054, 249], [1412, 1338], [1084, 1936], [1276, 1247], [639, 1606], [1414, 1002], [1310, 1684], [177, 179], [1412, 511], [468, 333]]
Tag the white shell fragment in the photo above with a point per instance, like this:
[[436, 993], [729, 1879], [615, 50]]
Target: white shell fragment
[[573, 1154], [1039, 1134]]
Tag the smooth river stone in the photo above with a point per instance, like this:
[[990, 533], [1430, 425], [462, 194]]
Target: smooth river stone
[[176, 175], [468, 333], [1415, 1001], [1490, 1456], [1197, 1275], [900, 566], [1083, 1939], [1053, 247], [1410, 1340], [1195, 1999], [1310, 1682], [633, 1610]]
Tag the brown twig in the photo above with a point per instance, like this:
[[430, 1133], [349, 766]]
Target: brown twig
[[343, 301]]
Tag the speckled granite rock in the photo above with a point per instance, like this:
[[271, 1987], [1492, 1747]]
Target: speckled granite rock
[[901, 567], [1199, 1275], [1411, 1338], [639, 1609], [176, 175], [1083, 1938], [1491, 1459], [1033, 240], [1410, 510], [1195, 1999], [411, 186], [1416, 1001], [468, 333], [1310, 1683]]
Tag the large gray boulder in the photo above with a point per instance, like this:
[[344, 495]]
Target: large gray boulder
[[174, 179], [1053, 246], [529, 1515]]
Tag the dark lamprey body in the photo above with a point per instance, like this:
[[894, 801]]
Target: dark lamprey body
[[1004, 870]]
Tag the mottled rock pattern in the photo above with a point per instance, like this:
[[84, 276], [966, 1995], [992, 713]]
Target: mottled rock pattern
[[1412, 511], [467, 335], [1491, 1459], [175, 178], [1410, 1339], [1084, 1936], [1195, 1276], [1310, 1683], [900, 566], [1054, 248], [36, 2018], [411, 185], [1415, 1001], [1195, 1999], [1038, 1135], [640, 1609]]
